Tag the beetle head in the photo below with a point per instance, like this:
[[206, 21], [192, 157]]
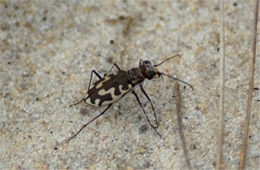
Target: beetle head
[[148, 70]]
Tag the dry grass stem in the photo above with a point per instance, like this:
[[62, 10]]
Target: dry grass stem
[[243, 152], [179, 117], [219, 164]]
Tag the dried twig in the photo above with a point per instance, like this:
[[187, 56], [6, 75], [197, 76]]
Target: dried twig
[[219, 164], [250, 92], [179, 117], [130, 21]]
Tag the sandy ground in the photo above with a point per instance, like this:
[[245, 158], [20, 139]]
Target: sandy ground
[[48, 49]]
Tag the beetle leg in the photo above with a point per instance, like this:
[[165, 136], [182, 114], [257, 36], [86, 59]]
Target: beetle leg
[[73, 136], [138, 100], [85, 98], [93, 71], [115, 65], [146, 95]]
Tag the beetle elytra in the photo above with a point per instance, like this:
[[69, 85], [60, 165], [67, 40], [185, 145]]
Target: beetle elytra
[[110, 88]]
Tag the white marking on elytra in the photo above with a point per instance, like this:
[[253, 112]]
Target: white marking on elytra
[[91, 86], [101, 83], [97, 102], [114, 97], [123, 91], [103, 92], [88, 101], [110, 91], [107, 102]]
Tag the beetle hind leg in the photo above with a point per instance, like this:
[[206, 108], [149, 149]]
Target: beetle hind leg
[[73, 136]]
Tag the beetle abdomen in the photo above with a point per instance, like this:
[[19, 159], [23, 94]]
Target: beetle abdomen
[[109, 89]]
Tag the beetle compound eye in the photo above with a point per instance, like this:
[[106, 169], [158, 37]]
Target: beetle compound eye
[[146, 62]]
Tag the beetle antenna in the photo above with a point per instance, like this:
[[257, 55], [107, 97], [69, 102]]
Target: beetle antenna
[[178, 55], [176, 79]]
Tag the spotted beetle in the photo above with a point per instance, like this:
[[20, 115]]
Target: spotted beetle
[[112, 87]]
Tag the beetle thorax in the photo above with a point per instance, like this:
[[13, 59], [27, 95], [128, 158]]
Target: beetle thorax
[[135, 75]]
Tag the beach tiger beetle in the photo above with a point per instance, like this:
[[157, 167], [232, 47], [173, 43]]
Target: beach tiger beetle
[[110, 88]]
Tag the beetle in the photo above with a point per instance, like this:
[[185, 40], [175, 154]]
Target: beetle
[[110, 88]]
